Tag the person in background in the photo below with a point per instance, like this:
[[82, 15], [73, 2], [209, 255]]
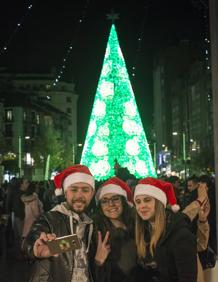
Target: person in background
[[114, 254], [191, 193], [64, 219], [33, 208], [175, 181], [210, 184], [198, 205], [166, 246], [16, 208], [3, 220], [198, 212]]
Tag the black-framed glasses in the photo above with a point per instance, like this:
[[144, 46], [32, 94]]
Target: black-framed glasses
[[113, 200]]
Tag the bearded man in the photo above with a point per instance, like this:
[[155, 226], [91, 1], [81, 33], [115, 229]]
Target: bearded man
[[67, 218]]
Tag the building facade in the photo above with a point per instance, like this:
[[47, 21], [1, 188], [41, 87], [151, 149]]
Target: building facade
[[33, 109], [183, 109]]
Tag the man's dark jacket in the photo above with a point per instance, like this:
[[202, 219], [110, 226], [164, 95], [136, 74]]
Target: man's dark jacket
[[53, 269]]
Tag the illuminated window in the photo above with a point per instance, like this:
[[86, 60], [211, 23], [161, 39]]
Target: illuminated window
[[24, 115], [37, 118], [8, 115]]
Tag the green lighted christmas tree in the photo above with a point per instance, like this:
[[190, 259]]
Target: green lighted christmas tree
[[115, 129]]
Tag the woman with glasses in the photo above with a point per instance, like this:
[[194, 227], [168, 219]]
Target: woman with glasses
[[114, 252], [166, 247]]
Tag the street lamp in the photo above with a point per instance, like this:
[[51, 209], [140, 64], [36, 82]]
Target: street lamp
[[183, 150], [154, 151], [75, 148], [155, 155], [19, 156], [20, 153]]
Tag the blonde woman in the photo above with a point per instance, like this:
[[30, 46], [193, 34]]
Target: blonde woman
[[166, 247]]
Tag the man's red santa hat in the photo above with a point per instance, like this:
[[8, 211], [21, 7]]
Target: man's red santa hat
[[158, 189], [116, 186], [71, 175]]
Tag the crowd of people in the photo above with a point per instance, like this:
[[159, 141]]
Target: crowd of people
[[150, 229]]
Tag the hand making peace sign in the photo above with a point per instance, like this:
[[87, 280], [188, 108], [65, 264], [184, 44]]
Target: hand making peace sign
[[103, 248]]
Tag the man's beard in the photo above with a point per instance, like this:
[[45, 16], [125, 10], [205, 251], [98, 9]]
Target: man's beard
[[71, 206]]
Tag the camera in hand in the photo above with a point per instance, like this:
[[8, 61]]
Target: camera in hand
[[64, 244]]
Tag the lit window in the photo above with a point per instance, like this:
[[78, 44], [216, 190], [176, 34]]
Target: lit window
[[37, 119], [24, 115], [9, 115]]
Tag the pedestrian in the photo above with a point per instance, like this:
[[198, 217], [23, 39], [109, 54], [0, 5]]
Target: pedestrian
[[16, 209], [33, 208], [64, 219], [179, 192], [166, 246], [115, 257], [198, 211]]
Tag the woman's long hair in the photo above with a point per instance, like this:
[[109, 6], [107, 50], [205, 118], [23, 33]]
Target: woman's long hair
[[158, 228]]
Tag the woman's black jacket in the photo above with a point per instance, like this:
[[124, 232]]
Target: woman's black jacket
[[175, 257]]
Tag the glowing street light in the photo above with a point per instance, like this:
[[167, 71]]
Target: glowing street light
[[20, 153], [183, 148]]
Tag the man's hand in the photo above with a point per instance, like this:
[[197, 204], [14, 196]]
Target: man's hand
[[40, 248], [103, 248]]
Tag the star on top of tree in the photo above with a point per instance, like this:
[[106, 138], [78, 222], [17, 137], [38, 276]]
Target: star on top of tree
[[113, 16]]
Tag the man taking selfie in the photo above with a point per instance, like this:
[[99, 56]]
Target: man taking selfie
[[67, 218]]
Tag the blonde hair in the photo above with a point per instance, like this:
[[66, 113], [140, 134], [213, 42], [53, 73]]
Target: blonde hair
[[158, 228]]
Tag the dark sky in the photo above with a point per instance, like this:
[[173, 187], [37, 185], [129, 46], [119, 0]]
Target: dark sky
[[52, 26]]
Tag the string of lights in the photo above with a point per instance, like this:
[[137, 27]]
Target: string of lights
[[202, 6], [140, 40], [17, 28], [63, 65], [206, 39]]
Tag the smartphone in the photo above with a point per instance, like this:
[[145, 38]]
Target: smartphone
[[64, 244]]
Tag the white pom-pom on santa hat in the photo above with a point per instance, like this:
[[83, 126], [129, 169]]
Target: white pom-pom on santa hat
[[158, 189], [175, 208], [71, 175]]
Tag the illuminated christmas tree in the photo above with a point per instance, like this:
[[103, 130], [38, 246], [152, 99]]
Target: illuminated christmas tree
[[115, 129]]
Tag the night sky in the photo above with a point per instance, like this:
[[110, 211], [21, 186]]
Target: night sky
[[51, 27]]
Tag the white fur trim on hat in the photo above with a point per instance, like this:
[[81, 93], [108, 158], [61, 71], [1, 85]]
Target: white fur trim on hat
[[58, 192], [150, 190], [111, 188], [77, 177]]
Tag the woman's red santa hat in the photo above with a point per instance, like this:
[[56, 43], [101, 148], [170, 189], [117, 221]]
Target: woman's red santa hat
[[158, 189], [71, 175], [116, 186]]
